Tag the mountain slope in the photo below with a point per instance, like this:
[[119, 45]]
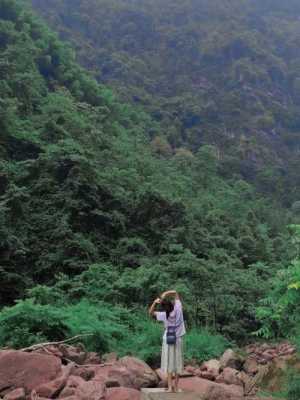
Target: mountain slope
[[216, 73], [88, 206]]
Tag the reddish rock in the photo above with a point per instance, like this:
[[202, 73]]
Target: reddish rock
[[86, 373], [229, 376], [53, 388], [121, 375], [72, 384], [93, 358], [231, 359], [53, 350], [161, 375], [78, 388], [17, 394], [110, 358], [251, 366], [207, 375], [190, 369], [123, 394], [27, 370], [112, 376], [197, 372], [141, 374], [73, 353], [210, 369], [211, 390], [269, 355]]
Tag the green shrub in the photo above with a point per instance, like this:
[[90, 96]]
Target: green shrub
[[201, 345], [27, 323], [293, 387], [145, 341]]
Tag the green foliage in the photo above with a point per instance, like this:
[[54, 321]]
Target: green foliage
[[203, 345], [95, 220], [279, 311], [210, 73], [27, 323], [293, 387]]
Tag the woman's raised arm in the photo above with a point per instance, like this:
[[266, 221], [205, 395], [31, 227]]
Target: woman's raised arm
[[170, 293], [153, 305]]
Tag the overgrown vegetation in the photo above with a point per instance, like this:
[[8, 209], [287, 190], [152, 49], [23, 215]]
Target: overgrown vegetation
[[104, 204], [211, 72]]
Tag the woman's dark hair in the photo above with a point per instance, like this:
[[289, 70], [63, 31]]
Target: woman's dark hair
[[167, 306]]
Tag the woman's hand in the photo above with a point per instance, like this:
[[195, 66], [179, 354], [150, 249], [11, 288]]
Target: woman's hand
[[152, 308]]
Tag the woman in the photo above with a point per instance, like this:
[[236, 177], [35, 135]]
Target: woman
[[172, 317]]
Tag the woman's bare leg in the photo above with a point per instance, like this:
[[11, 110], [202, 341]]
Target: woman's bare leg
[[170, 388], [176, 382]]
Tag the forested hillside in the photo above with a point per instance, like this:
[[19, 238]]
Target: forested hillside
[[95, 221], [215, 72]]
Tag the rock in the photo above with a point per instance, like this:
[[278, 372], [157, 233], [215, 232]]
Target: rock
[[142, 375], [190, 369], [53, 388], [231, 359], [251, 348], [121, 375], [112, 383], [210, 369], [207, 375], [17, 394], [276, 372], [50, 349], [86, 373], [251, 366], [268, 355], [248, 383], [81, 390], [71, 387], [73, 353], [229, 376], [123, 394], [114, 376], [161, 375], [27, 370], [93, 358], [163, 384], [211, 390], [110, 357]]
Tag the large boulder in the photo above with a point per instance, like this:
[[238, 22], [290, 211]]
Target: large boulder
[[122, 393], [232, 360], [27, 370], [251, 366], [72, 353], [114, 375], [140, 372], [211, 390], [210, 369], [53, 388], [78, 388], [230, 376], [92, 358]]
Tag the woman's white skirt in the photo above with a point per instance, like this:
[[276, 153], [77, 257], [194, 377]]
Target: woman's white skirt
[[172, 356]]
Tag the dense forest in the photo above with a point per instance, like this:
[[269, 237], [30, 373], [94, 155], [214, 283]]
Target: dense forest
[[215, 72], [107, 197]]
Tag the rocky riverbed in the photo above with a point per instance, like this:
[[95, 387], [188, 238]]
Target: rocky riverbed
[[69, 372]]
